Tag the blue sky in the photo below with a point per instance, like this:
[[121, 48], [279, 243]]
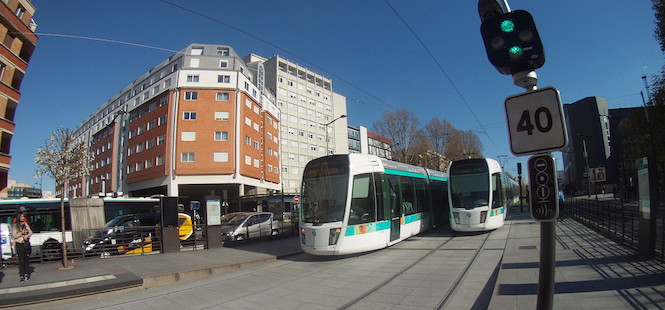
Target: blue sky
[[593, 48]]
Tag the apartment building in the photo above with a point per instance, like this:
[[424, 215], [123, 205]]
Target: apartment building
[[313, 117], [17, 34], [200, 124]]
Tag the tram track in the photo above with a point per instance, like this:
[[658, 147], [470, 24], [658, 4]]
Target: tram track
[[447, 296]]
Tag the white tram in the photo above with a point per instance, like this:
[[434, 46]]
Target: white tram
[[480, 194], [357, 203]]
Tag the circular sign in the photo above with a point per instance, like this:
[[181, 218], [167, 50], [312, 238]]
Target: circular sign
[[296, 198]]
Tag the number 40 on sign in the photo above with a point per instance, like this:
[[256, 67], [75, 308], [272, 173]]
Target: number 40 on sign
[[535, 122]]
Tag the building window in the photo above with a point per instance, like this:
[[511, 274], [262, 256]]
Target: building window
[[248, 140], [159, 160], [191, 95], [161, 120], [161, 139], [221, 157], [256, 163], [149, 144], [151, 125], [248, 121], [188, 157], [148, 163], [223, 79], [193, 78], [248, 160], [223, 64], [223, 96], [221, 136], [222, 52], [188, 136], [221, 116], [189, 115]]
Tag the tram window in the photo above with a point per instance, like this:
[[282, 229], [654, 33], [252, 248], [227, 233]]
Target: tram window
[[421, 195], [395, 196], [363, 207], [381, 185], [496, 191], [408, 195]]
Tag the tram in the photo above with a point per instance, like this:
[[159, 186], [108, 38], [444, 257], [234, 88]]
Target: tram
[[480, 194], [356, 203]]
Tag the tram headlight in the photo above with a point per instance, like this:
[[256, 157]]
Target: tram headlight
[[456, 217], [483, 216], [302, 235], [334, 236]]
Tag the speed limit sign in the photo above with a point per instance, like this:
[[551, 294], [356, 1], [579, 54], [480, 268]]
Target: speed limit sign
[[535, 122]]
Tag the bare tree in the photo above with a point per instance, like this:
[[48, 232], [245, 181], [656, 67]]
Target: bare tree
[[63, 159], [463, 144], [401, 127]]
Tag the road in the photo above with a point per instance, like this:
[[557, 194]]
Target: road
[[435, 270]]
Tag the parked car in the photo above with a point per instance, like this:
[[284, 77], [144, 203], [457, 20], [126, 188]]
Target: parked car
[[124, 234], [240, 226]]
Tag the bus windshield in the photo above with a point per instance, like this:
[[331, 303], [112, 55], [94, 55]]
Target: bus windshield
[[324, 190], [469, 185]]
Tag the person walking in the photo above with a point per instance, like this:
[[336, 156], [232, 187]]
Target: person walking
[[21, 232]]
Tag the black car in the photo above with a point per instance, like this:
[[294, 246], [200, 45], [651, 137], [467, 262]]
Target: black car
[[123, 234]]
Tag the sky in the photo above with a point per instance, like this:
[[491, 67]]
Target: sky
[[593, 48]]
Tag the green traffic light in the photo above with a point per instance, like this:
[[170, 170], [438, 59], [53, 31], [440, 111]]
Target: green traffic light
[[515, 52], [507, 25]]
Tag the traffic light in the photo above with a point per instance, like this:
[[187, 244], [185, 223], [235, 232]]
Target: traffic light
[[512, 42]]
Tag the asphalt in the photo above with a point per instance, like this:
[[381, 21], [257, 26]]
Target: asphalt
[[592, 272]]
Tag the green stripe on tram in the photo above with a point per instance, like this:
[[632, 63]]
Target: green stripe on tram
[[405, 173], [438, 178]]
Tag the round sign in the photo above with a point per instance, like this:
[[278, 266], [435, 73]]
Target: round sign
[[296, 198]]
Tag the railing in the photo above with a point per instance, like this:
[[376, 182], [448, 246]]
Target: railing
[[616, 220]]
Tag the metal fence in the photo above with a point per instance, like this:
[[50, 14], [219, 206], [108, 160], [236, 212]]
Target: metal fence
[[616, 220]]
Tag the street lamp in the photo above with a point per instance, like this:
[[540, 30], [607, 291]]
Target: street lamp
[[327, 142]]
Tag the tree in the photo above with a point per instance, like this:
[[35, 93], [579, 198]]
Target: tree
[[401, 127], [463, 144], [63, 158]]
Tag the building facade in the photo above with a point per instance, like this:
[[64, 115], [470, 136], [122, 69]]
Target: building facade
[[589, 146], [313, 117], [364, 142], [17, 33], [201, 124]]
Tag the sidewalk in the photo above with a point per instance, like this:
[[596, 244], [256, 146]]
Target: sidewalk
[[92, 276], [592, 271]]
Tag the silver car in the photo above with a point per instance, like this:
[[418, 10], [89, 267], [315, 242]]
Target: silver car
[[240, 226]]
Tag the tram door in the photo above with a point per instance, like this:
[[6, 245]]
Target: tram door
[[395, 209]]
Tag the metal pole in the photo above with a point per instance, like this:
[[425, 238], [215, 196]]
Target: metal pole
[[588, 173], [547, 265]]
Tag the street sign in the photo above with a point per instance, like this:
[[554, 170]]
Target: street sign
[[296, 198], [535, 122], [543, 195]]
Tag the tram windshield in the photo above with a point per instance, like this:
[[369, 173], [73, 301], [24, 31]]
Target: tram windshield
[[324, 189], [469, 185]]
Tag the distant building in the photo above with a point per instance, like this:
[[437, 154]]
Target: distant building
[[589, 146], [20, 190], [201, 124], [17, 34], [364, 142]]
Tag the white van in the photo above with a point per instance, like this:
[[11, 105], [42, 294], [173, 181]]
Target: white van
[[5, 241]]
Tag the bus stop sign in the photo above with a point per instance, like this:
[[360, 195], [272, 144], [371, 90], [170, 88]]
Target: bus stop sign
[[543, 195]]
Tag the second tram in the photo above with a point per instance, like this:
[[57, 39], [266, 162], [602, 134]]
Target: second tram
[[480, 194], [356, 203]]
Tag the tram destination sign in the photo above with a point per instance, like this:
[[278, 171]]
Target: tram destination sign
[[535, 122]]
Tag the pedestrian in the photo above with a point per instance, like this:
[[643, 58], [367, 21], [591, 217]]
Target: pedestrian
[[561, 203], [21, 233]]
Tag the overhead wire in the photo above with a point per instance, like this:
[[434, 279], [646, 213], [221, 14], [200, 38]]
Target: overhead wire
[[422, 44], [279, 48]]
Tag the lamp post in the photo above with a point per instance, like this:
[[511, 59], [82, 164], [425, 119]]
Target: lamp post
[[327, 142]]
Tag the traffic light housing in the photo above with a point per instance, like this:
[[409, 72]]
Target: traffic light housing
[[512, 42]]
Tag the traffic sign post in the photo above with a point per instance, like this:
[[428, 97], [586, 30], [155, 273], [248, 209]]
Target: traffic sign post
[[543, 197], [535, 122]]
